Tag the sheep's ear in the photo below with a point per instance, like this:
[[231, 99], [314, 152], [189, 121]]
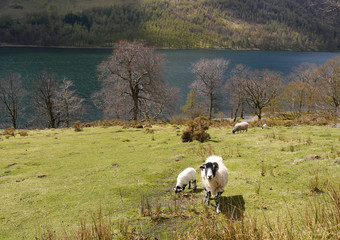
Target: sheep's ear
[[215, 164], [202, 167]]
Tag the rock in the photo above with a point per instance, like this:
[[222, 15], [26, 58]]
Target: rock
[[179, 159], [297, 161]]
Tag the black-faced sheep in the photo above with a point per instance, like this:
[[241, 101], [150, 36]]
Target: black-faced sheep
[[187, 176], [242, 126], [214, 177]]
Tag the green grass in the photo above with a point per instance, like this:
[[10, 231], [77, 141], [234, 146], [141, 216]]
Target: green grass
[[51, 180]]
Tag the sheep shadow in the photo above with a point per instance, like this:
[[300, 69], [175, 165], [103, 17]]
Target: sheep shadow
[[233, 206], [197, 190]]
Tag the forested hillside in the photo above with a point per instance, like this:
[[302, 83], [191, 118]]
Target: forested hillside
[[233, 24]]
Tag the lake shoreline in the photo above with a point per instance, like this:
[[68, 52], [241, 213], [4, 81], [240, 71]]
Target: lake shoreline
[[209, 49]]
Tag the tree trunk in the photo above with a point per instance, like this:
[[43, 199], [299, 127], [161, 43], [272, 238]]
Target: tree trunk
[[259, 115], [211, 105], [135, 107], [14, 122], [236, 111], [242, 109]]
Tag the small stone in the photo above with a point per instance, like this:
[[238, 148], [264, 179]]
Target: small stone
[[297, 161]]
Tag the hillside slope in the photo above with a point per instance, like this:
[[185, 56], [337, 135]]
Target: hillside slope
[[233, 24]]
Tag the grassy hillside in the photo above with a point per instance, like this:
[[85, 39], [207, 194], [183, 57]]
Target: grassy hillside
[[52, 182], [247, 24]]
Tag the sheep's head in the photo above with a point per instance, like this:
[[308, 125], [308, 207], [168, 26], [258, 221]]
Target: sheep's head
[[178, 189], [210, 169], [234, 131]]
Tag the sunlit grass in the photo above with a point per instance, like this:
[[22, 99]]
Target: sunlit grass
[[53, 181]]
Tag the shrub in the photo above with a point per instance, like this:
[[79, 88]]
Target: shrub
[[78, 126], [196, 130], [23, 133], [10, 131]]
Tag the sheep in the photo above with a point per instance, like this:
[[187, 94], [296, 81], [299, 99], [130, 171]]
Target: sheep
[[187, 176], [240, 127], [264, 126], [214, 177]]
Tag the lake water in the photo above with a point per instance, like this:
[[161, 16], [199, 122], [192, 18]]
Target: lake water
[[79, 65]]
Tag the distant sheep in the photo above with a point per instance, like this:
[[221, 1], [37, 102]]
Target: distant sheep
[[214, 177], [187, 176], [264, 126], [242, 126]]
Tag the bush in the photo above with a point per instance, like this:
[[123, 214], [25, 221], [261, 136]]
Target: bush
[[23, 133], [10, 131], [196, 130], [78, 126]]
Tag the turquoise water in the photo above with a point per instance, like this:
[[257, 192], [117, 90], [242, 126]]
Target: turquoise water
[[79, 65]]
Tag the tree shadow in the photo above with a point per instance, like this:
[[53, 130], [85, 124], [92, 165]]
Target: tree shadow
[[233, 206]]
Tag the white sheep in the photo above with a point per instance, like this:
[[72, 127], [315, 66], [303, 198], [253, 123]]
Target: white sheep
[[264, 126], [240, 127], [214, 177], [187, 176]]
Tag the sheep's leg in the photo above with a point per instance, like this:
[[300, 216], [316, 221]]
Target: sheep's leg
[[189, 185], [207, 197], [195, 185], [184, 187], [218, 200]]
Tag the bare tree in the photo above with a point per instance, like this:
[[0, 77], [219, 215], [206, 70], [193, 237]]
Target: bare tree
[[159, 101], [260, 88], [111, 101], [329, 76], [44, 99], [209, 79], [302, 92], [11, 96], [234, 87], [134, 71], [68, 103]]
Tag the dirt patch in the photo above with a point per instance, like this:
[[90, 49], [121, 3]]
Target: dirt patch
[[313, 157]]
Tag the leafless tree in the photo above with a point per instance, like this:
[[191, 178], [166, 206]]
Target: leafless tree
[[234, 86], [68, 103], [113, 103], [209, 79], [260, 88], [302, 92], [133, 74], [329, 77], [12, 94], [44, 99]]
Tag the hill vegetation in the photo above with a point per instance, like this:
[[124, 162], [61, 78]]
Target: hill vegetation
[[116, 181], [246, 24]]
